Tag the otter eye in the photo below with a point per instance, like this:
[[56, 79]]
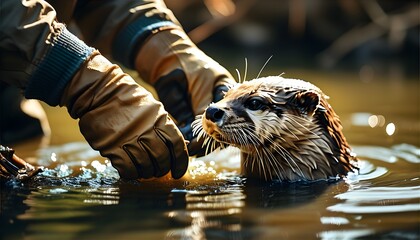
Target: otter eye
[[255, 104]]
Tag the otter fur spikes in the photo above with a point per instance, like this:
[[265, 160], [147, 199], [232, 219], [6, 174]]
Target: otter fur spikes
[[285, 129]]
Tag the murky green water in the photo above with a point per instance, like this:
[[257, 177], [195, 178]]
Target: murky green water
[[79, 196]]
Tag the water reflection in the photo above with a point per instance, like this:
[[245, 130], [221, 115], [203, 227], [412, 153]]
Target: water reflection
[[373, 121], [390, 129], [384, 129], [357, 201], [83, 198], [210, 212], [376, 121]]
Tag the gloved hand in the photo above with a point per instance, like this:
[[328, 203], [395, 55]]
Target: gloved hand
[[124, 122], [186, 80]]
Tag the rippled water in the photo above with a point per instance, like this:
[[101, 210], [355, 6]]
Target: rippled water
[[80, 196], [76, 199]]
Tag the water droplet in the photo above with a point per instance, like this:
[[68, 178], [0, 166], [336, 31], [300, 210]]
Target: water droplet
[[53, 157]]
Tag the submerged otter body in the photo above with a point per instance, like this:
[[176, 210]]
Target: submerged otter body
[[284, 128]]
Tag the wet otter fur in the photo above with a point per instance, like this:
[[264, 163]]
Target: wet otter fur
[[284, 128]]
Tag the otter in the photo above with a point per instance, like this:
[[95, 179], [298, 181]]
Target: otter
[[285, 130]]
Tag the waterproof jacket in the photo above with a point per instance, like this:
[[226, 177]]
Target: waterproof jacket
[[40, 55]]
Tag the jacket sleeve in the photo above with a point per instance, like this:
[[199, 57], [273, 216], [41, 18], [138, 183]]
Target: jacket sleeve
[[38, 54], [118, 27]]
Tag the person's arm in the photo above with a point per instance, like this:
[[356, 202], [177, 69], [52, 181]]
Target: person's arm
[[118, 27], [29, 33], [117, 116], [146, 36]]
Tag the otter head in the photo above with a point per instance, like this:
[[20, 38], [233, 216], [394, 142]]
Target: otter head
[[285, 129]]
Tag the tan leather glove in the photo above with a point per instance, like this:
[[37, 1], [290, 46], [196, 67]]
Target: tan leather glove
[[186, 79], [124, 122]]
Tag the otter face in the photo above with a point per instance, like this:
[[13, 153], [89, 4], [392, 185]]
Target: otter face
[[236, 121], [282, 127], [254, 113]]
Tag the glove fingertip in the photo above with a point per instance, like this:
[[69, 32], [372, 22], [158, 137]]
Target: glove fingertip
[[177, 148], [180, 166], [219, 92], [195, 148]]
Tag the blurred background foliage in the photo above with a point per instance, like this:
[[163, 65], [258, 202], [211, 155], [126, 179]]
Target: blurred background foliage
[[378, 37]]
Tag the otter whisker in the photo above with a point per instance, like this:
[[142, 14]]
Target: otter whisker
[[297, 120], [296, 130], [260, 164], [202, 135], [252, 136], [213, 146], [273, 162], [287, 156], [264, 66], [241, 137], [239, 75], [261, 161], [246, 70], [266, 119], [208, 142]]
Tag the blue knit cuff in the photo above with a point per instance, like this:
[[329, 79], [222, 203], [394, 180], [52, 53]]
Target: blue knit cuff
[[64, 58], [129, 40]]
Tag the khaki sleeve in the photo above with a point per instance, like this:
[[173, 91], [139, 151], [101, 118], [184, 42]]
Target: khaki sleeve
[[25, 27], [38, 54], [118, 27]]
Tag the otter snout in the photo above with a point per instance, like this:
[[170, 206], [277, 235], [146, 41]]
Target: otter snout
[[214, 114]]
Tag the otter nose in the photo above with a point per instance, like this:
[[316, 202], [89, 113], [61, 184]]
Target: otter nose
[[214, 114]]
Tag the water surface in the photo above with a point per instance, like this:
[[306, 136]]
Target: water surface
[[80, 196]]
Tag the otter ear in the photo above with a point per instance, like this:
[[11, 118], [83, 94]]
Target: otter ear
[[308, 102]]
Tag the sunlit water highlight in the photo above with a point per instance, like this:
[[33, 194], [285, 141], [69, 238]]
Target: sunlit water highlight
[[79, 196]]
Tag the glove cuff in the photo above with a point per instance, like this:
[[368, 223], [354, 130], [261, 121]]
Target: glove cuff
[[56, 69], [129, 40], [163, 52]]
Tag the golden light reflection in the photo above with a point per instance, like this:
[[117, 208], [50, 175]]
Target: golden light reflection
[[101, 201], [98, 166], [216, 205], [376, 121], [53, 157], [105, 196], [205, 208], [390, 129], [200, 168]]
